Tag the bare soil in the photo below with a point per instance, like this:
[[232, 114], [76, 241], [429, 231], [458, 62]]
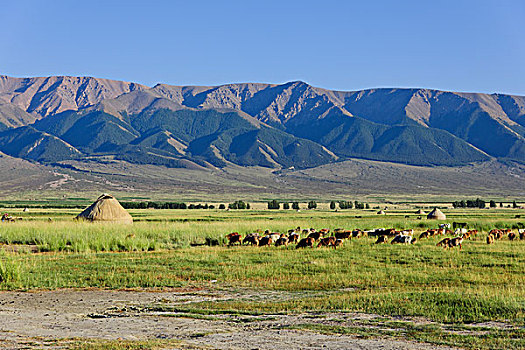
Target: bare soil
[[35, 319]]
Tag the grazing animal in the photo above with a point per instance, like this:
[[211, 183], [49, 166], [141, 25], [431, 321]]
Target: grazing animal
[[265, 241], [293, 238], [252, 239], [403, 239], [283, 240], [234, 238], [381, 239], [342, 234], [490, 238], [511, 236], [521, 232], [316, 235], [357, 233], [326, 242], [338, 243], [472, 233], [460, 231], [455, 242], [274, 236], [305, 242], [445, 226], [424, 234], [443, 243]]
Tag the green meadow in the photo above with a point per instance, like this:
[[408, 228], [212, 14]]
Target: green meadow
[[166, 249]]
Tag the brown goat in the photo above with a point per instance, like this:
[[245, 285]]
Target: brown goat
[[265, 241], [326, 242], [305, 242], [234, 238], [316, 235]]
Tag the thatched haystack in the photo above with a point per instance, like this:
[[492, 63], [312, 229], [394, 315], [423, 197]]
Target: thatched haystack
[[106, 208], [436, 214], [421, 212]]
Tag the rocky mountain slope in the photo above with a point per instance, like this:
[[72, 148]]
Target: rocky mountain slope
[[277, 126]]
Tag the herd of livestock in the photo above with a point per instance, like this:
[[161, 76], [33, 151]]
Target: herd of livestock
[[326, 238]]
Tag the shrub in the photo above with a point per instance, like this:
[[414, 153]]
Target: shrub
[[274, 204]]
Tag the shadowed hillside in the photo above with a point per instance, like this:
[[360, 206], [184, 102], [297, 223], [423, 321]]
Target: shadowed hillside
[[274, 126]]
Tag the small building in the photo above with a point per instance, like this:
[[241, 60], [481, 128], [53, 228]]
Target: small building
[[107, 209], [436, 214]]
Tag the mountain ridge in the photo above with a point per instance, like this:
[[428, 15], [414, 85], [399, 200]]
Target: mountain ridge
[[256, 124]]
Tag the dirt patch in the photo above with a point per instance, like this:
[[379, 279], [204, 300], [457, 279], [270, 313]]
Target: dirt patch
[[132, 315]]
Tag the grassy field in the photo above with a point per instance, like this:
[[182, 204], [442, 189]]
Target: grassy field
[[163, 249]]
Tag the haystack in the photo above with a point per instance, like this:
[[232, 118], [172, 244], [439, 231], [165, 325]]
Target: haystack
[[436, 214], [106, 208], [421, 212]]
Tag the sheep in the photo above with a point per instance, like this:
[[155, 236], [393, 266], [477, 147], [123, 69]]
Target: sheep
[[403, 239], [490, 238], [338, 243], [511, 236]]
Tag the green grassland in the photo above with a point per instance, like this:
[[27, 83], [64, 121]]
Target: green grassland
[[165, 249]]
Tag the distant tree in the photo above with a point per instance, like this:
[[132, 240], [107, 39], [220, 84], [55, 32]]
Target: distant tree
[[514, 204], [237, 205], [501, 204], [492, 204], [367, 206], [222, 206], [295, 205], [286, 205], [191, 206], [247, 205], [274, 204], [346, 205], [211, 206], [312, 205], [332, 205]]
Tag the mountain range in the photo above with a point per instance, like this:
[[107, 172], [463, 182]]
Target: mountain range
[[50, 120]]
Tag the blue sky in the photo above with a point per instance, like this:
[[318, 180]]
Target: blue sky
[[342, 45]]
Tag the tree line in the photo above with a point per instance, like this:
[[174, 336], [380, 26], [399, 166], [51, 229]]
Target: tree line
[[479, 203]]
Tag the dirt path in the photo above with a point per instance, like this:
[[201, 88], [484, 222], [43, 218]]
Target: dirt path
[[32, 319]]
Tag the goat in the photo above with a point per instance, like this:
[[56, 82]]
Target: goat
[[305, 242], [293, 238], [326, 242], [381, 239], [265, 241], [283, 240], [234, 238], [342, 234], [252, 238]]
